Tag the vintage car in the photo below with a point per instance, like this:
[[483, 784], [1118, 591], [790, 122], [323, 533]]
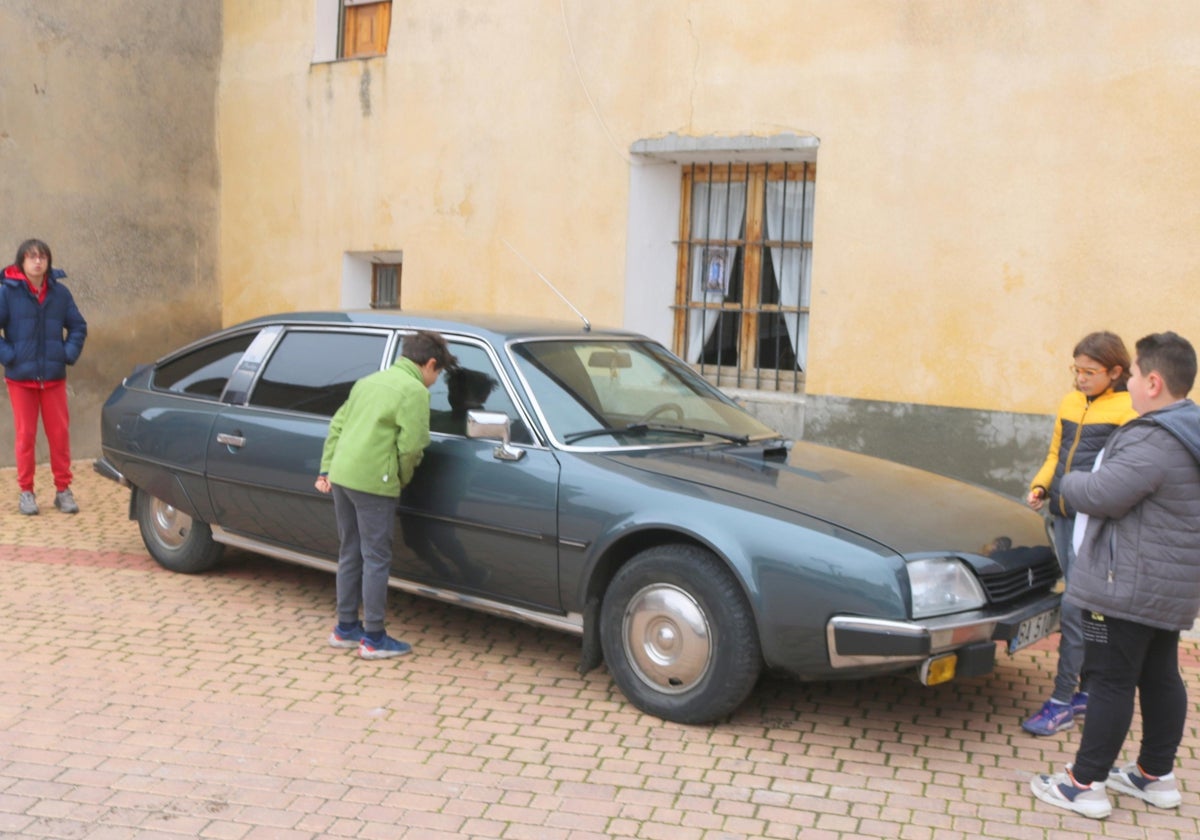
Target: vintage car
[[590, 481]]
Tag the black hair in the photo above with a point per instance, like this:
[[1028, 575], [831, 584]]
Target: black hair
[[1172, 357], [34, 246]]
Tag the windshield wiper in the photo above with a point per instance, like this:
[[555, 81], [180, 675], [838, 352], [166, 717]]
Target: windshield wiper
[[640, 429], [692, 430]]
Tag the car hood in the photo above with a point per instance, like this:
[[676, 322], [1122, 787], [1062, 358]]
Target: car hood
[[906, 509]]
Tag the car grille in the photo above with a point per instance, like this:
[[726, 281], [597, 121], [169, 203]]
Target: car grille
[[1011, 585]]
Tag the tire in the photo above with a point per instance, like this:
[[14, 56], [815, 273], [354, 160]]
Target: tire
[[177, 541], [678, 635]]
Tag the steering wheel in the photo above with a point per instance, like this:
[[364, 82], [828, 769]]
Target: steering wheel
[[663, 408]]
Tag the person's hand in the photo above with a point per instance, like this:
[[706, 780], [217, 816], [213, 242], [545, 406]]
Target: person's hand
[[1036, 498], [322, 483]]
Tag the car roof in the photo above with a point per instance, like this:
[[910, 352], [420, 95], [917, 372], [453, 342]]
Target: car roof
[[498, 328]]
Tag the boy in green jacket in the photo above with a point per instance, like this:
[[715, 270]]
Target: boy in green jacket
[[375, 442]]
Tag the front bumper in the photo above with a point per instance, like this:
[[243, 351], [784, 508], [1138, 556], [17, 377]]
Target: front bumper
[[860, 642]]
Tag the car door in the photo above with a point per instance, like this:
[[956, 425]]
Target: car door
[[473, 522], [264, 455]]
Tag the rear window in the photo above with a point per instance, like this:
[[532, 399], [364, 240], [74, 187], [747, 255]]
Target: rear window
[[204, 372]]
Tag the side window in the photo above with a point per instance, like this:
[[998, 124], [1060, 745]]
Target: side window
[[313, 371], [203, 372], [475, 384]]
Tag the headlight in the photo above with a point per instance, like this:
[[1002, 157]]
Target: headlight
[[942, 585]]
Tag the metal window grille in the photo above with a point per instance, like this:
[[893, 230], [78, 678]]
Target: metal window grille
[[744, 273], [385, 286]]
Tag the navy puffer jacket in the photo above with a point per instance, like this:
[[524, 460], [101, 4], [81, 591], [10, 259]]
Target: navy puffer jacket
[[38, 340]]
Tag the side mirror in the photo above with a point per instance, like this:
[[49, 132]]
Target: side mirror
[[494, 425]]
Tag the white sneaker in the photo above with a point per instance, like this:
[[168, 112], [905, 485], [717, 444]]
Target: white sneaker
[[1061, 791], [1162, 792]]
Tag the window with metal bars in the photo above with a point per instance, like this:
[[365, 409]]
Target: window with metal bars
[[385, 286], [744, 273]]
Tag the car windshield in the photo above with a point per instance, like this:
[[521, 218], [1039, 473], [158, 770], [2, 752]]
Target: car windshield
[[628, 394]]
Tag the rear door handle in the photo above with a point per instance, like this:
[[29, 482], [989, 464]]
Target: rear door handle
[[231, 440]]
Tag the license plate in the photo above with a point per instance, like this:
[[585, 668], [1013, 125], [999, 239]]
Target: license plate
[[1034, 629]]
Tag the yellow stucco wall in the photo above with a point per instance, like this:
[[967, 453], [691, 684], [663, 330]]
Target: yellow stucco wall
[[995, 179]]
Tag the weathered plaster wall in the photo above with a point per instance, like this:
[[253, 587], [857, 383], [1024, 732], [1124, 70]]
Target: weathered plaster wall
[[107, 152], [995, 180]]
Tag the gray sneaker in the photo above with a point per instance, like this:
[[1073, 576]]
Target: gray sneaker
[[64, 500], [1162, 792], [27, 503], [1061, 791]]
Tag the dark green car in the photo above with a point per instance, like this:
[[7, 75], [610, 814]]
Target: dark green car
[[591, 481]]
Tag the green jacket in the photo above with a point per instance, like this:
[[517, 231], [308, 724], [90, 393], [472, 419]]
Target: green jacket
[[377, 438]]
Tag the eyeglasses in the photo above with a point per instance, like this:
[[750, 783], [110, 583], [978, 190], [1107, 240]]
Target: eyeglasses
[[1078, 371], [38, 257]]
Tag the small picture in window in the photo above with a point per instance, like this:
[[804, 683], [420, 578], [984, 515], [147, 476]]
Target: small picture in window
[[715, 277]]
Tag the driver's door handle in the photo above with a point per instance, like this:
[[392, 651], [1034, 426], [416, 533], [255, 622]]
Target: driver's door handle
[[231, 440]]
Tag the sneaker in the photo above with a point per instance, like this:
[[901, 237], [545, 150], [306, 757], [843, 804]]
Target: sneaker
[[1162, 792], [346, 637], [64, 500], [1079, 704], [385, 648], [1061, 791], [1051, 718], [27, 503]]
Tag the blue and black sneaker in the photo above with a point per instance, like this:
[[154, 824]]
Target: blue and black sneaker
[[383, 648], [346, 636]]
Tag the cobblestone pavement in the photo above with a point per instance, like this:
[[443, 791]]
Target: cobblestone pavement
[[137, 703]]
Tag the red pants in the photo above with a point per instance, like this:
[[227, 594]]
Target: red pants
[[51, 401]]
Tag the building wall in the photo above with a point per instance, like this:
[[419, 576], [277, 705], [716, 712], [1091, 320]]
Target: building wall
[[994, 181], [107, 152]]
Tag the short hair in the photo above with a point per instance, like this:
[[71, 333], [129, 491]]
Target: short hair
[[1172, 357], [1109, 350], [34, 246], [424, 345]]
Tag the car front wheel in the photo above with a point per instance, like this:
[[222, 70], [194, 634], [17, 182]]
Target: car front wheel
[[678, 635], [177, 541]]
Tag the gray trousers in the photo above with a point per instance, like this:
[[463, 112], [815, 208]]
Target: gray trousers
[[366, 524], [1070, 641]]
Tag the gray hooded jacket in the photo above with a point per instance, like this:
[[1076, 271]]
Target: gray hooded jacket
[[1140, 555]]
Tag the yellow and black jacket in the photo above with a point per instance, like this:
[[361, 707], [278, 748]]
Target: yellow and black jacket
[[1080, 431]]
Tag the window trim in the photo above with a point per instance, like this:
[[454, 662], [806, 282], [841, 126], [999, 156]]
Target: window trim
[[652, 226]]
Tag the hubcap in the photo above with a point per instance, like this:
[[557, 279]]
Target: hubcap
[[171, 526], [667, 638]]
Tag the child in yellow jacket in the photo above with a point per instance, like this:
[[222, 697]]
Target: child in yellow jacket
[[1097, 406]]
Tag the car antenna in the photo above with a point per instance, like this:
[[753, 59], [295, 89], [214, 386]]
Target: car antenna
[[587, 327]]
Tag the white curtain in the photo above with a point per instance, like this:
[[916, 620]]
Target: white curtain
[[789, 207], [718, 210]]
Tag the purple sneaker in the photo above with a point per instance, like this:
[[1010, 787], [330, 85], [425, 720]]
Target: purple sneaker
[[1050, 719], [1079, 704]]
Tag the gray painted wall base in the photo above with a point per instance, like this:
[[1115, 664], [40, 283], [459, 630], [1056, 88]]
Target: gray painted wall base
[[1000, 450]]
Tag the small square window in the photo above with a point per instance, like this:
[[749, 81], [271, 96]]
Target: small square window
[[365, 25]]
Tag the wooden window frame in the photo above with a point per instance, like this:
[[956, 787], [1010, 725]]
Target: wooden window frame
[[364, 26], [753, 244]]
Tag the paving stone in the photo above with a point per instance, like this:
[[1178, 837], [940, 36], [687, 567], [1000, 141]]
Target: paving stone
[[141, 703]]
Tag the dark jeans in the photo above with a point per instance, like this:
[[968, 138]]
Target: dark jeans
[[1121, 658]]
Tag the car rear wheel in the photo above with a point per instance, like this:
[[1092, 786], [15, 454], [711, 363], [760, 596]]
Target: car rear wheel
[[177, 541], [678, 635]]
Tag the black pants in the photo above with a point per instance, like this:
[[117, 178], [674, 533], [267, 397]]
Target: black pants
[[1121, 658]]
